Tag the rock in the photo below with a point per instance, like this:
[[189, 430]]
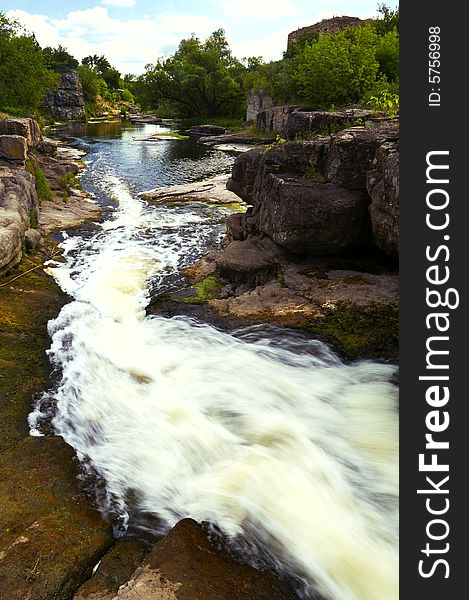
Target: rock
[[13, 148], [292, 120], [257, 101], [115, 570], [244, 173], [309, 217], [329, 25], [32, 237], [27, 128], [307, 122], [62, 213], [206, 130], [242, 139], [383, 187], [51, 537], [211, 190], [68, 102], [185, 565], [275, 118], [145, 120], [18, 203], [352, 152], [47, 147], [249, 262]]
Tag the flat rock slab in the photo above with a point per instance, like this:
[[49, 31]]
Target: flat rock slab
[[212, 191], [56, 214]]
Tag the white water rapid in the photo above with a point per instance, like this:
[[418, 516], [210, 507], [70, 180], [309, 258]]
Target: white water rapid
[[287, 447]]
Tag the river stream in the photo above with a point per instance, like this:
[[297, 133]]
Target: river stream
[[266, 434]]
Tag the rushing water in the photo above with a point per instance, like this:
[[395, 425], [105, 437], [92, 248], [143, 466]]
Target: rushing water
[[267, 435]]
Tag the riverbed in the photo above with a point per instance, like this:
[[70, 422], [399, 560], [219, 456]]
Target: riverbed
[[265, 433]]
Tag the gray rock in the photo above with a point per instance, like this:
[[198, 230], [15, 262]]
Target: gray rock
[[32, 237], [18, 199], [27, 128], [309, 217], [68, 102], [383, 187], [13, 148], [352, 152], [201, 130]]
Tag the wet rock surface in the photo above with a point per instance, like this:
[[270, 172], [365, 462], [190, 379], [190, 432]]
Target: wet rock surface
[[211, 190], [51, 537], [186, 565]]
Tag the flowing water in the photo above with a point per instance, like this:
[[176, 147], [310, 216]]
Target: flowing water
[[268, 435]]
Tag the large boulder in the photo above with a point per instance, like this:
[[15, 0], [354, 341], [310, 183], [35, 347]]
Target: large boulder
[[352, 152], [13, 148], [312, 196], [68, 102], [18, 208], [310, 217], [186, 565], [383, 187], [27, 128]]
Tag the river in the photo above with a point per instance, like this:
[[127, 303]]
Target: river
[[270, 436]]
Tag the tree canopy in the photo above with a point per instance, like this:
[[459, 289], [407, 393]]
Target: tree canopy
[[25, 76], [200, 79]]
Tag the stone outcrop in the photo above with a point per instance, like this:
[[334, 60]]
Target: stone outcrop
[[326, 25], [186, 565], [257, 101], [292, 120], [67, 103], [13, 148], [383, 187], [26, 128], [311, 197], [206, 130], [18, 209]]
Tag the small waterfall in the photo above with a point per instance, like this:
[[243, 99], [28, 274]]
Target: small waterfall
[[278, 444]]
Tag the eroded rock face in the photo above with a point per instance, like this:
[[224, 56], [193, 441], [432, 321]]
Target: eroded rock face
[[311, 217], [13, 148], [383, 187], [27, 128], [312, 197], [18, 204], [68, 102], [293, 120]]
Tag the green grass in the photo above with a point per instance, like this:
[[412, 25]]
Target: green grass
[[207, 289]]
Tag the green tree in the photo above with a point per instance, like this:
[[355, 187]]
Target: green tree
[[200, 79], [59, 59], [24, 74], [387, 54], [337, 68]]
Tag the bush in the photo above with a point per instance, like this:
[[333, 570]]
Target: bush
[[338, 68]]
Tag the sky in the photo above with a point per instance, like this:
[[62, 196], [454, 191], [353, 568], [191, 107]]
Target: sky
[[133, 33]]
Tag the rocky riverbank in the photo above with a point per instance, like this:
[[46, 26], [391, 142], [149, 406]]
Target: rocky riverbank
[[51, 536], [318, 246]]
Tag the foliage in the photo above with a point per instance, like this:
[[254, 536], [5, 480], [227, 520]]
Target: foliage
[[43, 188], [24, 74], [68, 181], [337, 68], [388, 21], [200, 79], [59, 59], [385, 102], [387, 54]]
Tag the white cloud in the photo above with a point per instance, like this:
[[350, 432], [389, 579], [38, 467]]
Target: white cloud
[[128, 45], [265, 9], [119, 2]]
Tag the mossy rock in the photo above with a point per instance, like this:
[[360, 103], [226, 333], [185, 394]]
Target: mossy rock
[[370, 331]]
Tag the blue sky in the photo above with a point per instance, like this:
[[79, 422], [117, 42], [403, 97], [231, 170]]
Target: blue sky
[[132, 33]]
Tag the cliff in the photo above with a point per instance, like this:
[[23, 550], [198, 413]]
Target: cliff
[[67, 103]]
